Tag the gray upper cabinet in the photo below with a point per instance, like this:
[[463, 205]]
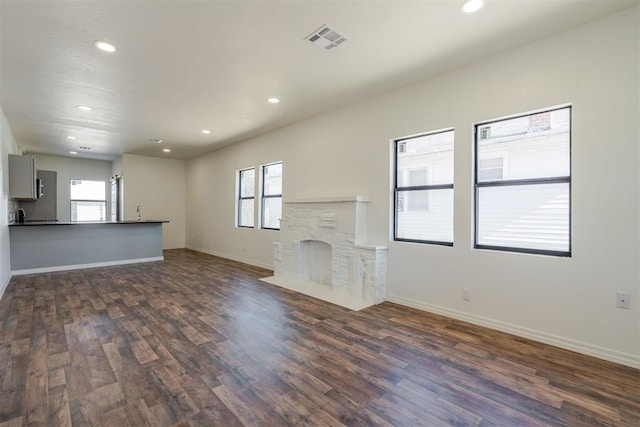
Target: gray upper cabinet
[[22, 177]]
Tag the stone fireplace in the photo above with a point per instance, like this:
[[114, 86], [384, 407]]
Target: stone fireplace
[[322, 252]]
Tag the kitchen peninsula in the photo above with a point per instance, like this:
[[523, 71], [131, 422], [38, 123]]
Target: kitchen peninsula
[[38, 247]]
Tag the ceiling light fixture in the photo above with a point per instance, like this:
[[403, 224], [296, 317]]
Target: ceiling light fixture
[[71, 137], [273, 100], [84, 108], [104, 46], [166, 150], [154, 140], [206, 131], [470, 6], [73, 152]]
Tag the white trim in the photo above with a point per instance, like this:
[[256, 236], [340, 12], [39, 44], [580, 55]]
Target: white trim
[[4, 284], [372, 247], [344, 199], [232, 257], [81, 266], [543, 337]]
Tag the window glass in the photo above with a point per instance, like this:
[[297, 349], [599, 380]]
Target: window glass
[[524, 216], [537, 145], [245, 215], [424, 188], [434, 151], [88, 190], [88, 200], [271, 209], [490, 169], [524, 204], [246, 195], [272, 212], [88, 211], [422, 225], [273, 179], [247, 183]]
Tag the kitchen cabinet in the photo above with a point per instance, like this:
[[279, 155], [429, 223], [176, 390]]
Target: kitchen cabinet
[[22, 177], [39, 247]]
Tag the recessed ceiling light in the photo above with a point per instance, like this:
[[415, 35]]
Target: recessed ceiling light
[[154, 140], [104, 46], [470, 6], [206, 131], [166, 150], [71, 137], [84, 108], [273, 100], [73, 152]]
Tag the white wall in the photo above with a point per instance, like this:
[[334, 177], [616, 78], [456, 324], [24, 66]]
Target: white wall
[[211, 183], [158, 186], [69, 168], [569, 302], [7, 146]]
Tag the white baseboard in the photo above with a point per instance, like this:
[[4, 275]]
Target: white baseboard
[[4, 283], [81, 266], [232, 257], [543, 337]]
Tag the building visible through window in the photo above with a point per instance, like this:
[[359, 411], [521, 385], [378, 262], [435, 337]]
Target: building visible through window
[[491, 169], [523, 183], [88, 200], [424, 188], [246, 197], [271, 207]]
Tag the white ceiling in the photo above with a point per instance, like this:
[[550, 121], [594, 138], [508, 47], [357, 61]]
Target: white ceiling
[[184, 66]]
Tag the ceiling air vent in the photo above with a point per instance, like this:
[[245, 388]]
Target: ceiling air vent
[[326, 37]]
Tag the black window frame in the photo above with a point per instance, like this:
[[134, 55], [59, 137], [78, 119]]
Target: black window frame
[[264, 196], [241, 198], [396, 189], [521, 182]]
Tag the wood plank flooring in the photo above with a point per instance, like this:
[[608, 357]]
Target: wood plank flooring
[[199, 341]]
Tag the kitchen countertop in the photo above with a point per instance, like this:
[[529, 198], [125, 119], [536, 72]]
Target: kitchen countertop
[[36, 223]]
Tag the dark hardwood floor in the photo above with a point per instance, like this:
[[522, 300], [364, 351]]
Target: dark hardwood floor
[[198, 340]]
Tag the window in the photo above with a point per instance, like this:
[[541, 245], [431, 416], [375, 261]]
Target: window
[[423, 190], [271, 207], [524, 204], [491, 169], [246, 195], [88, 200]]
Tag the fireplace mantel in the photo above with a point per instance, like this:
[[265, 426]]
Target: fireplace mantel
[[340, 199]]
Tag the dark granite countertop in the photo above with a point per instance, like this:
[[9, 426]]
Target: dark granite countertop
[[37, 223]]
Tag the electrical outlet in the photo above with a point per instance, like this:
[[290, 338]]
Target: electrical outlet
[[466, 294], [623, 300]]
